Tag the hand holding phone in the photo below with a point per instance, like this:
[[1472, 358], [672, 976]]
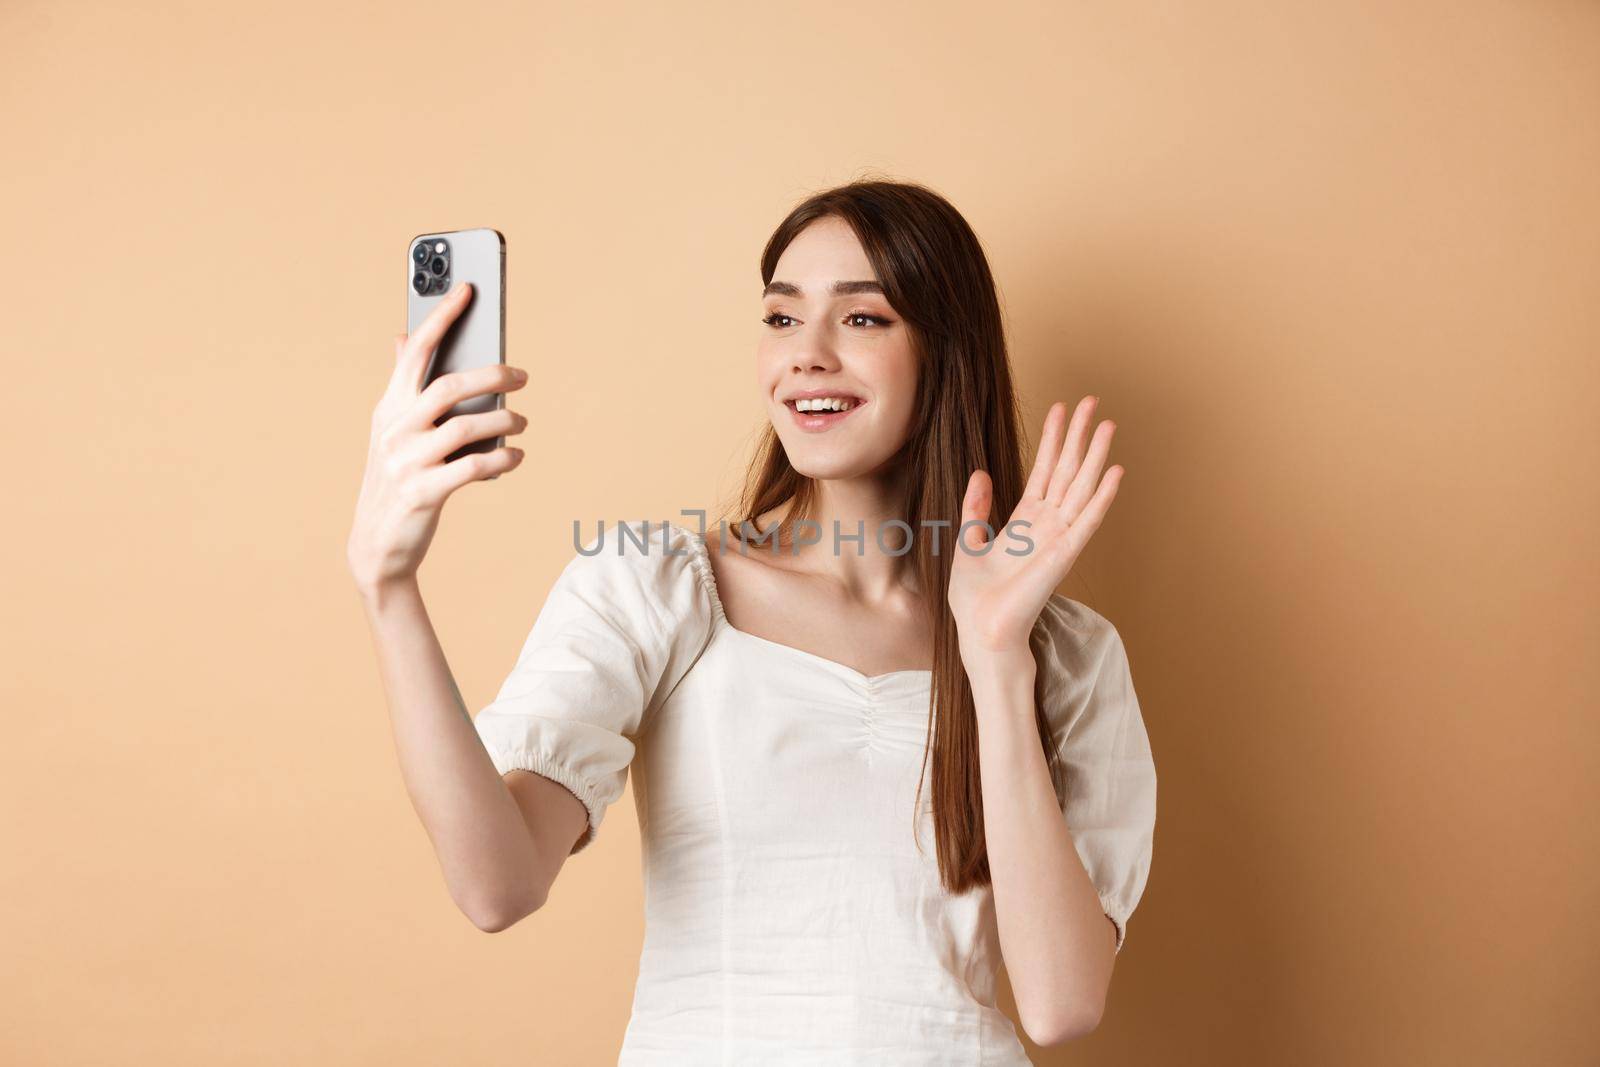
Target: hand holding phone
[[436, 264], [440, 424]]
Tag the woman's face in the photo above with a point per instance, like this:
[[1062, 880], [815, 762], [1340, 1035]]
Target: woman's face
[[848, 347]]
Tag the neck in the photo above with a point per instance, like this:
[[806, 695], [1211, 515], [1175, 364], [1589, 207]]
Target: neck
[[862, 567]]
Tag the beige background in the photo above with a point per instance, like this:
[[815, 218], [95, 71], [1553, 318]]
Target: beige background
[[1333, 268]]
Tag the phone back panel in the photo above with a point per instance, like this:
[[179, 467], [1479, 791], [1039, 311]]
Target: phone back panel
[[478, 336]]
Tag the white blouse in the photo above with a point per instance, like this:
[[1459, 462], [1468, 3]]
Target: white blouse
[[789, 913]]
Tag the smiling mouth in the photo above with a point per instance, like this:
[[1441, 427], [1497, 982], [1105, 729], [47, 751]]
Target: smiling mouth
[[817, 418]]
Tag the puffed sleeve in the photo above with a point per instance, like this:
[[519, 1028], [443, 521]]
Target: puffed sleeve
[[1108, 797], [621, 627]]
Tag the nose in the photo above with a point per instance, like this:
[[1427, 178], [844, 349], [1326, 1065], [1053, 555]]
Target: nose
[[815, 358]]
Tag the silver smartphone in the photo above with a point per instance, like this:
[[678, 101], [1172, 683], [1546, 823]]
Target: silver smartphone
[[435, 263]]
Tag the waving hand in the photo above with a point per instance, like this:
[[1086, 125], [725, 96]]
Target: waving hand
[[997, 596]]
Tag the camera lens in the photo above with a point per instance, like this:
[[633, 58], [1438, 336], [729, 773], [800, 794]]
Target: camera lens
[[438, 266], [420, 282], [419, 254]]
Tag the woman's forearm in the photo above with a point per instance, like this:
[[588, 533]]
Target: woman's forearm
[[1057, 943], [490, 862]]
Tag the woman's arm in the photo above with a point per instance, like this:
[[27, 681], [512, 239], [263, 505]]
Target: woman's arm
[[500, 848], [1058, 943], [497, 866]]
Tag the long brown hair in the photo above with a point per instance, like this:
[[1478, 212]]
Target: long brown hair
[[935, 275]]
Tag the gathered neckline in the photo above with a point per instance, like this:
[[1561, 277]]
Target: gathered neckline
[[700, 555]]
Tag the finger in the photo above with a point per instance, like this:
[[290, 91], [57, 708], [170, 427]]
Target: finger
[[420, 345], [1072, 453], [975, 506], [1055, 428], [1095, 511], [1089, 472], [439, 482], [462, 430], [396, 373], [448, 390]]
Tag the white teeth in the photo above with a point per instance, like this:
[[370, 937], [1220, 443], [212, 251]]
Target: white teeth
[[825, 403]]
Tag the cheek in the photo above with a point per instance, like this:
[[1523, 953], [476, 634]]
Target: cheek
[[904, 411], [902, 381], [767, 369]]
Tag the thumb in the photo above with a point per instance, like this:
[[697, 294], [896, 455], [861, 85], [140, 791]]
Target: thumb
[[975, 508], [408, 367]]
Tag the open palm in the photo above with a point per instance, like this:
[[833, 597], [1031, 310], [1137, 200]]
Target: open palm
[[996, 597]]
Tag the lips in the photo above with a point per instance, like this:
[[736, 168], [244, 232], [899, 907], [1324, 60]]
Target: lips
[[821, 421], [813, 394]]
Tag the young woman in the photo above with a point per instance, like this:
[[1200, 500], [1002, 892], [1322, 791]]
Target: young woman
[[874, 753]]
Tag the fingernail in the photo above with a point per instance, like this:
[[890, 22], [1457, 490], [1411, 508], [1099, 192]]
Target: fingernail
[[519, 374], [461, 287]]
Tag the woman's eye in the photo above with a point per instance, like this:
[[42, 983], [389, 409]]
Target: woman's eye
[[869, 318], [772, 319]]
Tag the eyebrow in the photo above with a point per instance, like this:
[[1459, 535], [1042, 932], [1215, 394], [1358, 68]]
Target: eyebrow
[[839, 289]]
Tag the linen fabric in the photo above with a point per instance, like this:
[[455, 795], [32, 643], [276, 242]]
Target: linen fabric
[[793, 906]]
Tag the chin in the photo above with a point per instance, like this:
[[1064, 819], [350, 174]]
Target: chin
[[822, 465]]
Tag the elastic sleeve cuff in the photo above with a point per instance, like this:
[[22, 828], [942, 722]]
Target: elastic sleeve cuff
[[1117, 919]]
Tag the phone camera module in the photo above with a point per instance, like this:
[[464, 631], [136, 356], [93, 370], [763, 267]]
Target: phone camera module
[[430, 266]]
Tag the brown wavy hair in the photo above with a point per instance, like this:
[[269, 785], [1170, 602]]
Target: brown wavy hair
[[935, 275]]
